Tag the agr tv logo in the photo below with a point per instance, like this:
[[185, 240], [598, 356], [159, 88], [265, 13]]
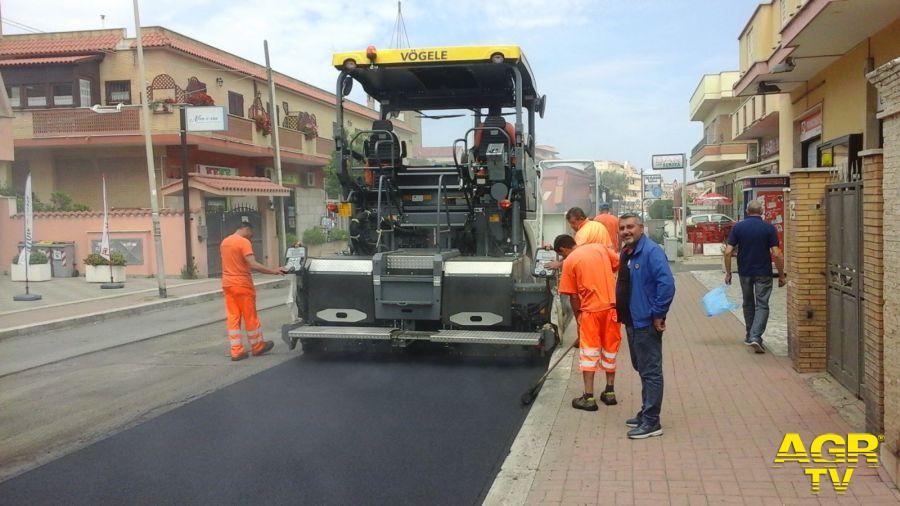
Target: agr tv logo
[[826, 453]]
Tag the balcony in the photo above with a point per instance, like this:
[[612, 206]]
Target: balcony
[[712, 89], [711, 157], [74, 122], [756, 117]]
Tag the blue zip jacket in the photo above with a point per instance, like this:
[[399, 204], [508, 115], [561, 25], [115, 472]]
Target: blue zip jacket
[[652, 283]]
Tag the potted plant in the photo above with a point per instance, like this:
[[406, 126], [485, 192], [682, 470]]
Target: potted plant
[[97, 269], [263, 123], [200, 98], [38, 267], [162, 106]]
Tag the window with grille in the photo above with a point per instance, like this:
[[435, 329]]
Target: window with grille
[[235, 104], [311, 179], [118, 92]]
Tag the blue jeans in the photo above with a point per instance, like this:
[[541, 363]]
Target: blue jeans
[[756, 291], [645, 345]]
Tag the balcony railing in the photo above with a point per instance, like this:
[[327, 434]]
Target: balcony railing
[[750, 112], [238, 128], [80, 121], [324, 146], [704, 149]]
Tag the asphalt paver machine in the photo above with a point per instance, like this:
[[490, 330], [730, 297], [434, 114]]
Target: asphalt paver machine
[[442, 252]]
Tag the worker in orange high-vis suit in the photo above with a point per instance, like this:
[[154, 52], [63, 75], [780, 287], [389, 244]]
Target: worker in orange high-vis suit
[[586, 232], [588, 278], [238, 262]]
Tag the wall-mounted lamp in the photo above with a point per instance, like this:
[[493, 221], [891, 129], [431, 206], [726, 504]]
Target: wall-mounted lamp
[[219, 81]]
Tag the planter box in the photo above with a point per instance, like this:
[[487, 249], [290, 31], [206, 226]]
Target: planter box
[[40, 272], [100, 273]]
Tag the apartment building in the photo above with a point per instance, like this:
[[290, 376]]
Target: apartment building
[[831, 68], [53, 79]]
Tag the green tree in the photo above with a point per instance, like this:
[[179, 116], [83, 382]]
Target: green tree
[[616, 184], [662, 210], [332, 184]]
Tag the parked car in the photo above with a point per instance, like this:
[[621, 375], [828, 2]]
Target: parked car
[[721, 219]]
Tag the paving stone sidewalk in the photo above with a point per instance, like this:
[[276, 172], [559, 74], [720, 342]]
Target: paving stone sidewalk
[[724, 414]]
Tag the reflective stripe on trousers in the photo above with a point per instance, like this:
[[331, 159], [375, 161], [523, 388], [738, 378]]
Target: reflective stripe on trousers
[[240, 306]]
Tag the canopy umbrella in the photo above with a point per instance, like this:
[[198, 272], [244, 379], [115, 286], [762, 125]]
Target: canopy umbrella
[[713, 199]]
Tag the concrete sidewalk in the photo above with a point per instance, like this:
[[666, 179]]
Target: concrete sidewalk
[[78, 309], [724, 414]]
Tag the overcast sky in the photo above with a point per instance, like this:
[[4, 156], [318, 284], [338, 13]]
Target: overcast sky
[[618, 73]]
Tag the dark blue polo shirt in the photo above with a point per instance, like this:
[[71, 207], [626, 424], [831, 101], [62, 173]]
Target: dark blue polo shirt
[[753, 237]]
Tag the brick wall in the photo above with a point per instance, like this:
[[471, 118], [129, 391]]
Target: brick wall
[[873, 301], [805, 239], [887, 79]]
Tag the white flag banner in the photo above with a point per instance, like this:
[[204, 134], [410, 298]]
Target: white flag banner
[[25, 254], [104, 235]]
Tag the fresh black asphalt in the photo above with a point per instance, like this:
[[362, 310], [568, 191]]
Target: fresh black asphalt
[[343, 428]]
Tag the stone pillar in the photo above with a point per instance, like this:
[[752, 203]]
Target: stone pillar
[[887, 80], [807, 287], [6, 174], [873, 301]]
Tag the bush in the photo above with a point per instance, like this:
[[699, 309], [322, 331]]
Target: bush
[[190, 271], [662, 210], [339, 235], [36, 258], [116, 258], [314, 236], [290, 239]]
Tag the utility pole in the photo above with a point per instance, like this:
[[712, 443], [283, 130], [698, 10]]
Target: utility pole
[[684, 209], [185, 190], [148, 146], [279, 201]]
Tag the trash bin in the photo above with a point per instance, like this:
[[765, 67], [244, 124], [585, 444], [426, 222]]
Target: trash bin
[[671, 248], [62, 259]]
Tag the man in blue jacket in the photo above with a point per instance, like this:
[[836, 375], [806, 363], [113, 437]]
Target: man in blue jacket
[[644, 290]]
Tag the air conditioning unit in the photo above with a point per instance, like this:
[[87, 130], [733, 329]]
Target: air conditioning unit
[[753, 152]]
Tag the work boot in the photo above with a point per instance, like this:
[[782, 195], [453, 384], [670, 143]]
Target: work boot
[[608, 397], [645, 431], [586, 402], [238, 358], [267, 345]]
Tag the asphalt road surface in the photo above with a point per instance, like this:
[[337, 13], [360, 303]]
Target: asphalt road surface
[[342, 428]]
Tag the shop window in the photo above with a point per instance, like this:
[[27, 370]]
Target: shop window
[[118, 92], [35, 95], [15, 96], [842, 154], [808, 152], [235, 104], [62, 94]]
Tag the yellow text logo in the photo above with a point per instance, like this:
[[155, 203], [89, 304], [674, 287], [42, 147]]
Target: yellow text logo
[[830, 456]]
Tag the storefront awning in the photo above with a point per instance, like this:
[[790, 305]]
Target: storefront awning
[[229, 186]]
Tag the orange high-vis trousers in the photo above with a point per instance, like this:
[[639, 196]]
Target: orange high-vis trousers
[[240, 305]]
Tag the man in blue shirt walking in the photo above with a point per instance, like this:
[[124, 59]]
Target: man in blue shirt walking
[[757, 245], [644, 291]]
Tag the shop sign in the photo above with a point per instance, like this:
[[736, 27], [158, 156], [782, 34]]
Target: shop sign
[[211, 118], [290, 179], [768, 148], [671, 161], [811, 126], [653, 186], [767, 182], [212, 170]]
